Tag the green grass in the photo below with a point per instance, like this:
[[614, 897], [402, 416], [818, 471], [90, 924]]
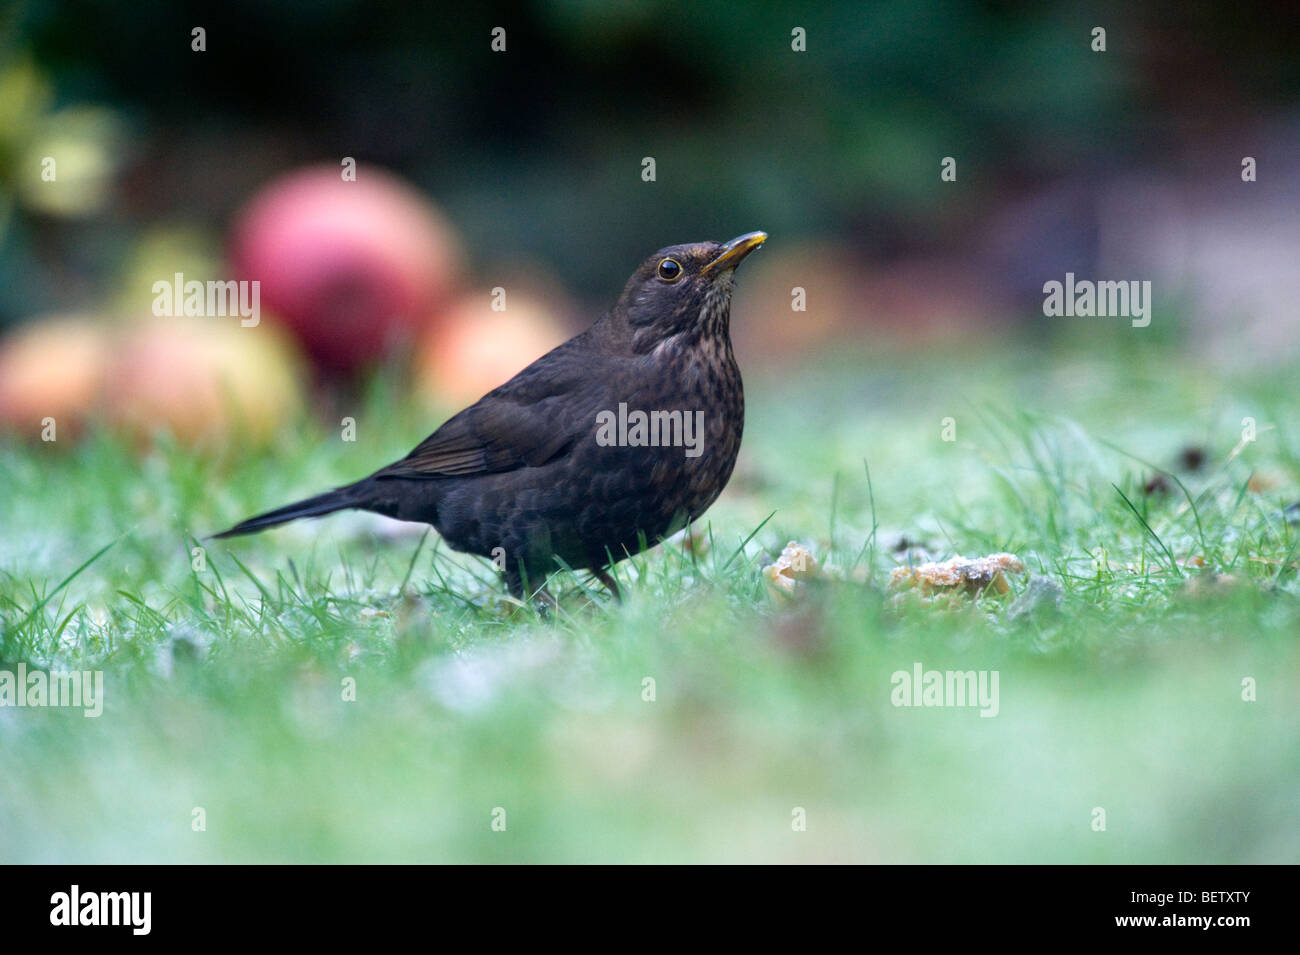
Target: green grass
[[223, 685]]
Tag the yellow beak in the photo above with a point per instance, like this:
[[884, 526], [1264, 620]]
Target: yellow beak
[[734, 251]]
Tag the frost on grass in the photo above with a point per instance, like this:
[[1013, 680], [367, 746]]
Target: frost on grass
[[541, 666], [958, 575]]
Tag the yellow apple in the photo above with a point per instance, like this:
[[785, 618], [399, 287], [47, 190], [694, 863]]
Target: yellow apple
[[208, 382], [52, 368]]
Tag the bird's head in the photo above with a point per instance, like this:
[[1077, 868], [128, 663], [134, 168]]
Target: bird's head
[[684, 289]]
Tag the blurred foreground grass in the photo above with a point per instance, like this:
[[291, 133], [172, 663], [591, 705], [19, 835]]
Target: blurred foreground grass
[[223, 685]]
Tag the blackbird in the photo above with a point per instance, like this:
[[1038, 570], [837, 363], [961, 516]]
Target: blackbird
[[603, 446]]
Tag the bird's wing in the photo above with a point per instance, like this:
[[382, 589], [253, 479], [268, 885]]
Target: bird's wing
[[525, 423]]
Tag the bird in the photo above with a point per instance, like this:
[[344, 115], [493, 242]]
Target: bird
[[602, 447]]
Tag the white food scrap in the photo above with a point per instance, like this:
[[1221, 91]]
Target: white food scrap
[[795, 563], [975, 575]]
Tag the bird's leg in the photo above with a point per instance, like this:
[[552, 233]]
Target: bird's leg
[[606, 578], [518, 583], [541, 596], [546, 602], [514, 579]]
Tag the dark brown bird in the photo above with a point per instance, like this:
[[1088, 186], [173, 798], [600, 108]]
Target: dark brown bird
[[603, 446]]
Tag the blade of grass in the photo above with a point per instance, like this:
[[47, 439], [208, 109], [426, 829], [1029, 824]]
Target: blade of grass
[[40, 604], [1173, 563], [745, 542], [410, 569]]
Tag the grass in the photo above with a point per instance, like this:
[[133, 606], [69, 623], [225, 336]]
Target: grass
[[225, 684]]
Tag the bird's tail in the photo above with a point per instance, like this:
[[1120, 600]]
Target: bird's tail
[[327, 503]]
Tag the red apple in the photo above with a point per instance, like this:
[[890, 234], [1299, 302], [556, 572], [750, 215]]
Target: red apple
[[351, 267]]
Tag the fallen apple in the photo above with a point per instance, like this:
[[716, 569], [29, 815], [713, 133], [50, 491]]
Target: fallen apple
[[473, 348], [52, 369], [204, 382], [351, 267]]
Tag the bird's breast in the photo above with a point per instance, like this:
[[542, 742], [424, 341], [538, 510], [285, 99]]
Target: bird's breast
[[694, 405]]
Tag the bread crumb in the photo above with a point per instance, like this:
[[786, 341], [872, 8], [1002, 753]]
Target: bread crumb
[[795, 563], [975, 575]]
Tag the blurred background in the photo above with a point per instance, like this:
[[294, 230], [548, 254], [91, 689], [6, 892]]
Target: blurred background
[[519, 177], [523, 169]]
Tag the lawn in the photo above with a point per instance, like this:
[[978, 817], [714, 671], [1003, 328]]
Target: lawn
[[350, 690]]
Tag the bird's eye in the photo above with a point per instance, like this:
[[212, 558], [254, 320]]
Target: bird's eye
[[670, 270]]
